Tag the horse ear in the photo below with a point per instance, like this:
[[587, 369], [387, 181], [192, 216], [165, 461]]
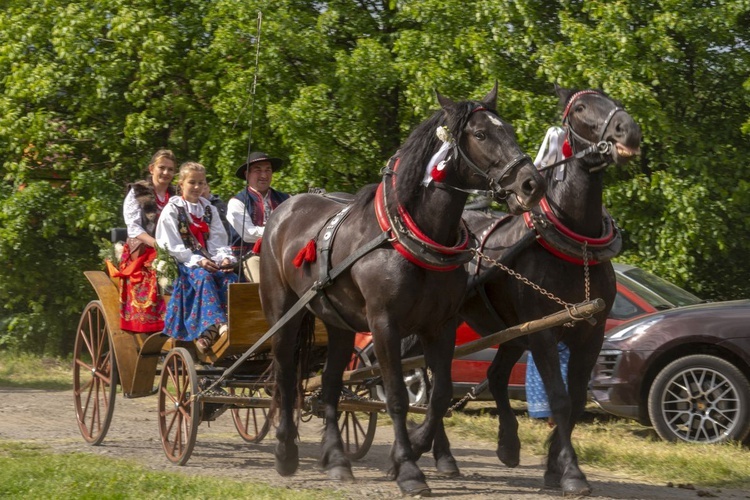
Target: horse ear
[[563, 93], [490, 100], [445, 102]]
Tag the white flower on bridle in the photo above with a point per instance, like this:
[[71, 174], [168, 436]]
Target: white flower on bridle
[[438, 160]]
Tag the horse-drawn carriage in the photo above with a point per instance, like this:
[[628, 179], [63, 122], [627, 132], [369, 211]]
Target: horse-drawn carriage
[[396, 273], [106, 357]]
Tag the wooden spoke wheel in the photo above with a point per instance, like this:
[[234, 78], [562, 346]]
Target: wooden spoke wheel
[[251, 423], [358, 427], [94, 374], [179, 414]]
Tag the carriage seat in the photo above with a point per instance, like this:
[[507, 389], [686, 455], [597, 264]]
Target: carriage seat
[[118, 234]]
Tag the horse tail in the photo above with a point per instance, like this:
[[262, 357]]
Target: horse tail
[[303, 361]]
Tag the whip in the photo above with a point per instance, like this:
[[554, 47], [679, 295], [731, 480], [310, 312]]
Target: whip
[[250, 140]]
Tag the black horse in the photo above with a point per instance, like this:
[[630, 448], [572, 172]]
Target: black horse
[[549, 246], [398, 262]]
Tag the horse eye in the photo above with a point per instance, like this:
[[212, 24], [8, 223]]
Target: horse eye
[[480, 136], [580, 108]]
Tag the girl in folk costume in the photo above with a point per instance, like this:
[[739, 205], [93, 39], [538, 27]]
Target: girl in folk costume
[[191, 230], [141, 306]]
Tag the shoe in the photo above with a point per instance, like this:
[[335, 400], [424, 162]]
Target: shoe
[[203, 344], [223, 329]]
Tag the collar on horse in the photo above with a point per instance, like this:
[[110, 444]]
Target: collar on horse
[[409, 240], [568, 245]]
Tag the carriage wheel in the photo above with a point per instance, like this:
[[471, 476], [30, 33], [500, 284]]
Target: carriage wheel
[[358, 427], [251, 423], [179, 415], [94, 375]]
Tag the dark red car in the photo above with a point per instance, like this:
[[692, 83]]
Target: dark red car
[[685, 371]]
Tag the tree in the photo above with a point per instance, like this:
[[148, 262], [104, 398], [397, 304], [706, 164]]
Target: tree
[[91, 88]]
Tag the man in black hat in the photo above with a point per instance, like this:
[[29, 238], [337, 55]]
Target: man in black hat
[[248, 211]]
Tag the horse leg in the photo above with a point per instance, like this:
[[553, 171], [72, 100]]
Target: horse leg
[[508, 444], [285, 393], [562, 467], [333, 459], [438, 352], [562, 462], [407, 474]]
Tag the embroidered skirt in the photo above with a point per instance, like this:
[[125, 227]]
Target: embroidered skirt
[[199, 301], [141, 306], [536, 396]]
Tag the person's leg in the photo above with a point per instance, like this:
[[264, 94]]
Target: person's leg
[[251, 269]]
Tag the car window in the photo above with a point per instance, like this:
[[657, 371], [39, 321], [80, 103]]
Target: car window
[[668, 292], [623, 308]]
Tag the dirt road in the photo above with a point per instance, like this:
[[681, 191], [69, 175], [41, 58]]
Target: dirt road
[[47, 417]]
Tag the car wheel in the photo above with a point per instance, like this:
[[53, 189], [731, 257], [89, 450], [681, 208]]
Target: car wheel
[[416, 387], [700, 399]]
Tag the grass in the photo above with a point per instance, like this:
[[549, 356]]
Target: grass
[[603, 442], [30, 471], [612, 444], [34, 372]]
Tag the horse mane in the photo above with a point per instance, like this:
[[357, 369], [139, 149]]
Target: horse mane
[[422, 143], [417, 150]]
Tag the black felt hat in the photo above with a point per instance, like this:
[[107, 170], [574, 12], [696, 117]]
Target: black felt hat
[[255, 157]]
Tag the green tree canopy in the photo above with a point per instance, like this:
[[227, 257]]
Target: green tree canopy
[[89, 89]]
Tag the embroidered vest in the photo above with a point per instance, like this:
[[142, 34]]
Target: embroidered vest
[[183, 225], [254, 206], [146, 199]]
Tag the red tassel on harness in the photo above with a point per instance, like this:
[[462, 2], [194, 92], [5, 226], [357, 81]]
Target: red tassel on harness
[[567, 151], [308, 254], [438, 173], [256, 247]]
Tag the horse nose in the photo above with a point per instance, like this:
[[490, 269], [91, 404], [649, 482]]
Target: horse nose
[[626, 128], [535, 186]]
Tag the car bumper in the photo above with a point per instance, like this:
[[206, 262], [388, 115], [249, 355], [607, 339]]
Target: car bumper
[[616, 382]]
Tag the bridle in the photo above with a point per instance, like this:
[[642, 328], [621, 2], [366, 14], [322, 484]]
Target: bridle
[[601, 146], [495, 191]]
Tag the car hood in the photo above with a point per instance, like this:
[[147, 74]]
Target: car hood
[[722, 320]]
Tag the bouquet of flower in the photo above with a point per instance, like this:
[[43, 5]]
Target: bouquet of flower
[[166, 269], [110, 252]]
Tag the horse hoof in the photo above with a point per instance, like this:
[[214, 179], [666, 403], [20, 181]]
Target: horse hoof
[[509, 458], [447, 467], [415, 488], [288, 465], [552, 480], [286, 468], [341, 473], [575, 487], [391, 474]]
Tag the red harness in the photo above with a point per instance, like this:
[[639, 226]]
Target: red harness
[[591, 243], [411, 226]]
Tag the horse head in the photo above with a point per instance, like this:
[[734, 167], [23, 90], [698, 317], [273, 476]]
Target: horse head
[[591, 118], [488, 155]]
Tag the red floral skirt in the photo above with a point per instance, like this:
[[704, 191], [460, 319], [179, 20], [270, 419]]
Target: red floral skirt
[[141, 306]]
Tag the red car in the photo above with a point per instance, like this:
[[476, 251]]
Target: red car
[[638, 293]]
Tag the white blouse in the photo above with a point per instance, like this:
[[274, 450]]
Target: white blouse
[[241, 221], [131, 212], [168, 233]]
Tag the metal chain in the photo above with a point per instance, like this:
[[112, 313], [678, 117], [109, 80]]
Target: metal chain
[[567, 305]]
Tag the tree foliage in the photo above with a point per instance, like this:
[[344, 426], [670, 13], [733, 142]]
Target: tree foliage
[[89, 89]]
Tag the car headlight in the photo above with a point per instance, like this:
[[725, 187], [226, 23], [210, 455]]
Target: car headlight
[[631, 330]]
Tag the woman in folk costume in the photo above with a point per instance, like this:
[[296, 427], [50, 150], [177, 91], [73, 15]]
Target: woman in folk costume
[[191, 230], [141, 306]]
